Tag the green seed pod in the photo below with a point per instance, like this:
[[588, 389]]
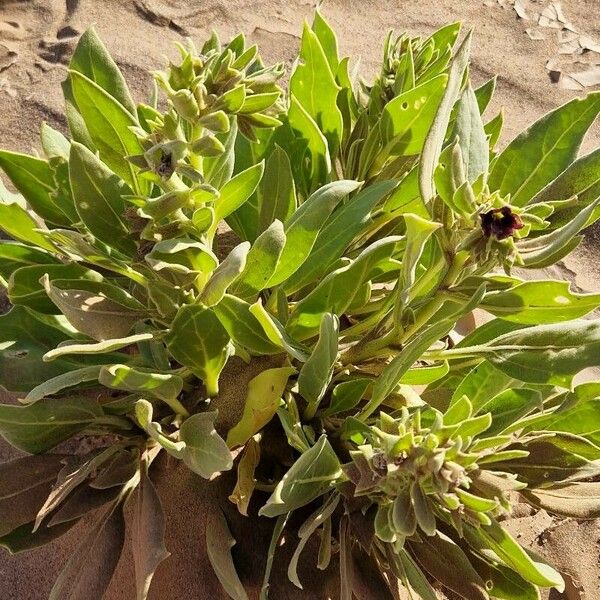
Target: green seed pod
[[185, 104]]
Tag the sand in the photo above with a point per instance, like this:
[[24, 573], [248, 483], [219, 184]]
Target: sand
[[36, 39]]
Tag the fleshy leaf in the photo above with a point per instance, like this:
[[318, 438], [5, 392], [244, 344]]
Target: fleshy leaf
[[539, 154], [311, 476], [205, 453], [262, 400], [43, 425]]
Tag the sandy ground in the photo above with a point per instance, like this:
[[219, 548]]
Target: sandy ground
[[37, 38]]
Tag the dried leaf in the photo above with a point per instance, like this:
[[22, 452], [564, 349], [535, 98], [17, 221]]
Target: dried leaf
[[219, 542], [24, 485], [535, 34], [72, 475], [242, 493], [148, 533], [520, 10], [90, 568], [588, 78]]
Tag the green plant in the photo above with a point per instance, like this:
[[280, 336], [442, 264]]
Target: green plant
[[370, 219]]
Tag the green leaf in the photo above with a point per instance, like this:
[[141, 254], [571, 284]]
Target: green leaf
[[224, 275], [319, 160], [262, 400], [338, 232], [472, 138], [538, 302], [311, 476], [91, 58], [34, 178], [218, 170], [346, 396], [199, 341], [92, 311], [407, 118], [54, 143], [327, 40], [92, 252], [581, 418], [77, 128], [418, 232], [575, 500], [303, 227], [509, 406], [258, 102], [432, 147], [205, 453], [108, 123], [508, 549], [547, 353], [91, 566], [394, 371], [18, 224], [547, 249], [24, 339], [73, 347], [336, 292], [493, 129], [57, 384], [41, 426], [183, 257], [314, 86], [505, 583], [447, 563], [539, 154], [25, 286], [261, 262], [552, 459], [315, 374], [144, 411], [277, 191], [148, 534], [484, 94], [318, 518], [425, 375], [243, 327], [219, 542], [580, 183], [414, 579], [276, 333], [233, 195], [165, 386], [98, 195]]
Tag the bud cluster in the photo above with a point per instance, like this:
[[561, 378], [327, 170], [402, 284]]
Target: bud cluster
[[423, 467], [207, 92]]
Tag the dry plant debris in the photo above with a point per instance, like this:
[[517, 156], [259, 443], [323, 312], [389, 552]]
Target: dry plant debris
[[577, 63]]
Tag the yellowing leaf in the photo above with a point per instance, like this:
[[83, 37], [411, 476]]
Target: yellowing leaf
[[262, 401]]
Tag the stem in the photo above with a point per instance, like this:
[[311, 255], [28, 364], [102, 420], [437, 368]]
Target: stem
[[424, 316], [176, 405], [455, 353]]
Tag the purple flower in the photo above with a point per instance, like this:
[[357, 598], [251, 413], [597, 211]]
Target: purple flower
[[500, 222]]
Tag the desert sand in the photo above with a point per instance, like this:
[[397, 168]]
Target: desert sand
[[37, 38]]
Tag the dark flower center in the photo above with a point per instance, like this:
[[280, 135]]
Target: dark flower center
[[500, 222]]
